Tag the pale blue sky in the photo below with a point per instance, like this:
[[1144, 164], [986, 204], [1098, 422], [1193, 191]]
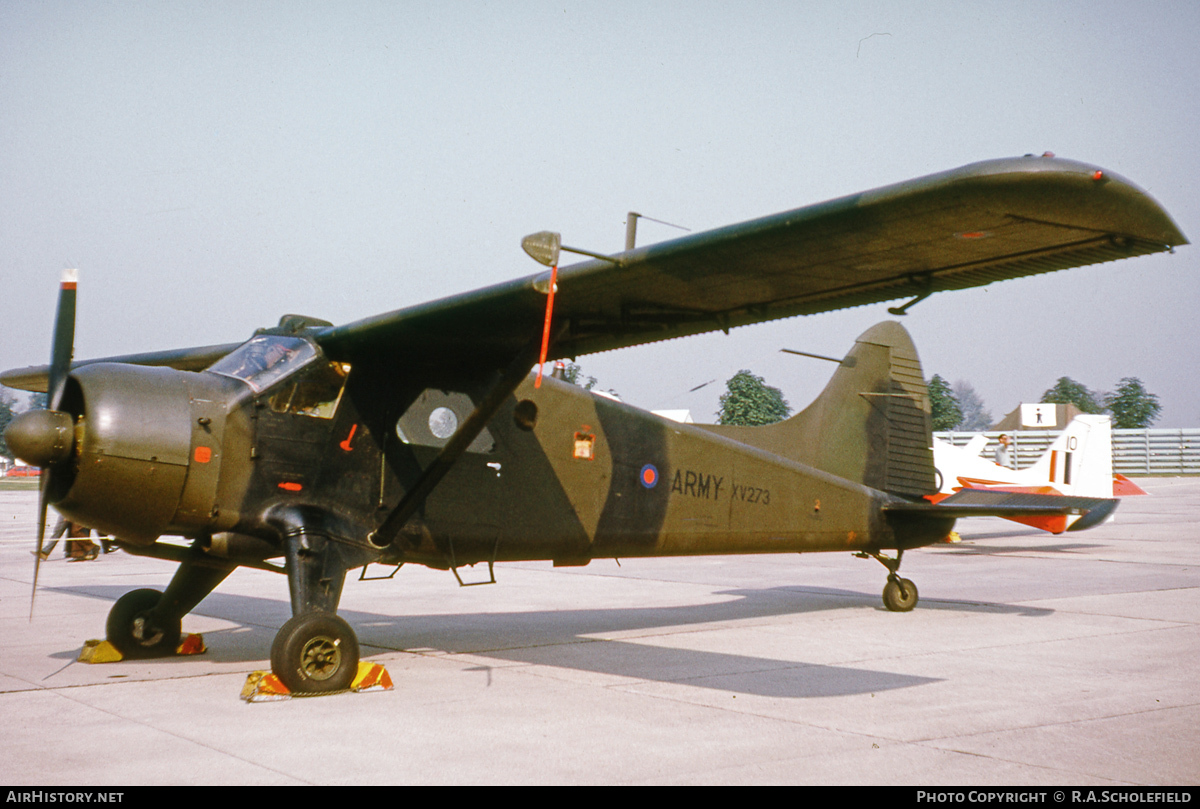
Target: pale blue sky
[[211, 166]]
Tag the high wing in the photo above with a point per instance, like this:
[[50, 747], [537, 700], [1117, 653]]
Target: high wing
[[969, 227], [963, 228]]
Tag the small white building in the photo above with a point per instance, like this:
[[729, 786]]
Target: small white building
[[681, 416]]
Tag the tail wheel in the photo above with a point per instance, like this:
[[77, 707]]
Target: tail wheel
[[138, 634], [315, 653], [899, 595]]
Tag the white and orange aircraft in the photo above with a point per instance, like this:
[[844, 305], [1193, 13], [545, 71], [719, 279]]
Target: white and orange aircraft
[[1077, 464]]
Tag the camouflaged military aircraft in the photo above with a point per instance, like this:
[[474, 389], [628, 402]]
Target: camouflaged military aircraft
[[422, 435]]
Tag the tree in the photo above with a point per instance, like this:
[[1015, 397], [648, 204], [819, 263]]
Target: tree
[[944, 408], [1131, 405], [6, 415], [749, 401], [974, 417], [1068, 391], [573, 373]]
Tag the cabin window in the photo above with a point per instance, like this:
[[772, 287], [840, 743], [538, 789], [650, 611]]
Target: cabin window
[[264, 360], [443, 422], [435, 416], [315, 393]]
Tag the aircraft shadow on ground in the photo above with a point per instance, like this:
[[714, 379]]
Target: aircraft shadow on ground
[[575, 639]]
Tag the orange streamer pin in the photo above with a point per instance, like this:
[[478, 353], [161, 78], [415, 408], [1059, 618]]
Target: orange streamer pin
[[546, 329]]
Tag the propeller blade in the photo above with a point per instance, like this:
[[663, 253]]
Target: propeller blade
[[61, 351], [64, 338], [41, 539]]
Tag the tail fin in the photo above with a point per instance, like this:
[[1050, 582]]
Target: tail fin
[[870, 424], [1079, 461], [976, 445]]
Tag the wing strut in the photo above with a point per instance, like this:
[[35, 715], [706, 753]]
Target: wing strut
[[512, 377]]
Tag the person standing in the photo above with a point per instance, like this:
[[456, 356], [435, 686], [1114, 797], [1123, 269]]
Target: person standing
[[1002, 452], [80, 547]]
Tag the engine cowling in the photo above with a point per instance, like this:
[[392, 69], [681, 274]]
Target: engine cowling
[[140, 465]]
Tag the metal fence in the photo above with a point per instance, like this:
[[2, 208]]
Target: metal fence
[[1135, 452]]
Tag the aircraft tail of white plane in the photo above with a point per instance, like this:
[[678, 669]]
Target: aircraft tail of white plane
[[1079, 462]]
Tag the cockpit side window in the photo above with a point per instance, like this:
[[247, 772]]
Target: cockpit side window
[[264, 360], [316, 392]]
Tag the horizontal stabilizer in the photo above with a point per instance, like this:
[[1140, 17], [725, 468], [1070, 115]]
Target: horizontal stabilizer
[[1124, 487], [1013, 505]]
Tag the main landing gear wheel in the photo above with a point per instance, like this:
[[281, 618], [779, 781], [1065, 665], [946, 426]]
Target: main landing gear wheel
[[130, 629], [315, 653], [899, 595]]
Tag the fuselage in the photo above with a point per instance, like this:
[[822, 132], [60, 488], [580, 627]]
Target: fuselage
[[558, 473]]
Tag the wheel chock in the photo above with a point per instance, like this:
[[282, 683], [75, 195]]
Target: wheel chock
[[191, 645], [263, 686], [371, 677], [952, 538], [101, 651]]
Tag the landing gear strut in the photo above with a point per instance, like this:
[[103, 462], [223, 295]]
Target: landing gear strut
[[147, 623], [899, 595], [315, 652]]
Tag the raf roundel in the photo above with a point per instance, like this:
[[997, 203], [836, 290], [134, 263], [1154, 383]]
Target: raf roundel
[[649, 476]]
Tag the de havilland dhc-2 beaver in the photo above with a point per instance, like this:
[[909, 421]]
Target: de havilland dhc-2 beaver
[[425, 436]]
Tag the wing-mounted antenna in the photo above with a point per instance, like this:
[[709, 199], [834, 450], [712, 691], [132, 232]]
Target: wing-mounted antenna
[[631, 227], [846, 362]]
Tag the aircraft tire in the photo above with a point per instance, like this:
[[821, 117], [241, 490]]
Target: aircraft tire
[[315, 653], [122, 627], [899, 595]]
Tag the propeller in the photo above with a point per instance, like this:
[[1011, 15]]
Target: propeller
[[46, 437]]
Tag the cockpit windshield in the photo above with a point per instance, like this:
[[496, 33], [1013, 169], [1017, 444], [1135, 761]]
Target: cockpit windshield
[[264, 360]]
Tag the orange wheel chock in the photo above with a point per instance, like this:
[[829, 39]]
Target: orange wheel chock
[[101, 651], [263, 686]]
